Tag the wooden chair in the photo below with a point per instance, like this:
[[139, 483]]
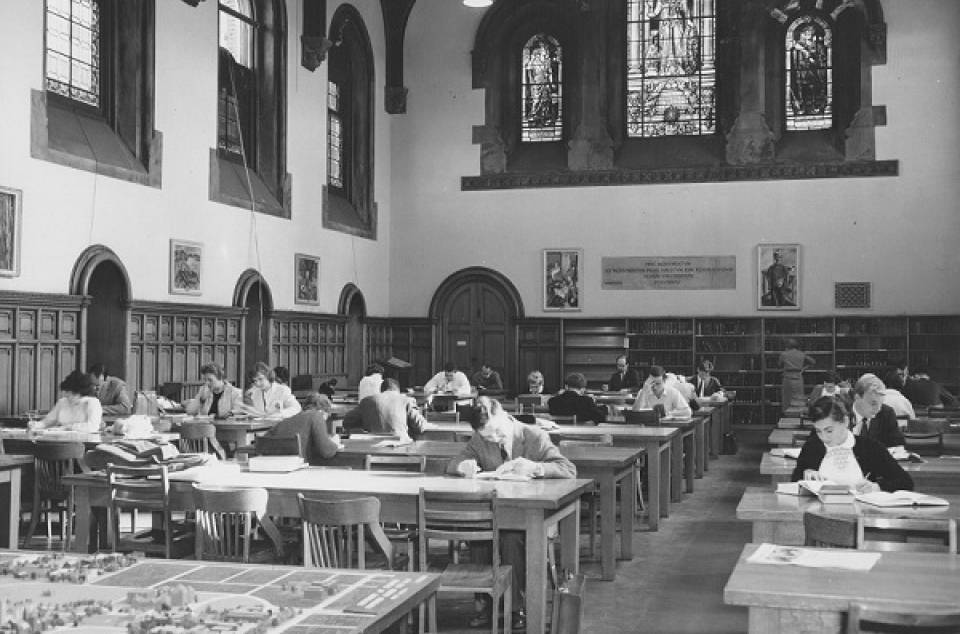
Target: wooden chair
[[590, 498], [906, 534], [399, 533], [334, 532], [921, 434], [530, 403], [465, 517], [52, 461], [278, 446], [197, 437], [567, 614], [863, 618], [135, 489], [567, 419], [829, 531], [226, 521]]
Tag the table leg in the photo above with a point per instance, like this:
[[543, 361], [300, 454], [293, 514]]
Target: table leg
[[700, 449], [628, 509], [690, 447], [676, 468], [654, 475], [80, 500], [13, 510], [608, 524], [715, 435], [665, 478]]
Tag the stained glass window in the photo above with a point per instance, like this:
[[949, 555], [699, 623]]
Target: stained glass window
[[73, 49], [542, 92], [236, 75], [671, 74], [334, 136], [809, 74]]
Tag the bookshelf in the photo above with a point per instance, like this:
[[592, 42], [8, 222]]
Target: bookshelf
[[591, 346], [665, 342], [934, 344], [736, 348], [814, 336], [869, 344]]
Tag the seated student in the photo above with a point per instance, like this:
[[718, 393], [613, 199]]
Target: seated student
[[316, 444], [706, 385], [451, 382], [371, 381], [924, 392], [77, 409], [833, 453], [892, 396], [216, 396], [506, 445], [328, 388], [656, 392], [281, 375], [573, 399], [625, 379], [870, 417], [535, 382], [387, 412], [113, 393], [829, 387], [487, 381], [268, 398]]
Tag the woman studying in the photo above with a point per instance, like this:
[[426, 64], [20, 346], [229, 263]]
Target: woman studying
[[78, 409], [268, 398], [833, 453]]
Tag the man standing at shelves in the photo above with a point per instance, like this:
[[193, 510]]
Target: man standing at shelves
[[656, 392], [870, 417], [625, 379]]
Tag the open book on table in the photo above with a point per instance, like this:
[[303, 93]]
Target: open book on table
[[786, 452], [394, 442], [901, 498], [827, 491], [493, 475]]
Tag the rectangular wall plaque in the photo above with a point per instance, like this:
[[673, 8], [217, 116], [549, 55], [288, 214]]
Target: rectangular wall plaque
[[687, 273]]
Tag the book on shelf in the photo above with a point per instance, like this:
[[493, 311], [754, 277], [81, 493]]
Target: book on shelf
[[900, 498], [826, 491]]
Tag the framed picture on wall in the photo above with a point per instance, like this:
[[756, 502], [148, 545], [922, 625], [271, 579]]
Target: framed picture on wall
[[778, 277], [186, 267], [306, 271], [562, 279], [11, 216]]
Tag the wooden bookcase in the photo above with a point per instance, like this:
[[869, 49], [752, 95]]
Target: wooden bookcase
[[736, 348], [814, 335], [869, 344], [663, 341], [934, 344], [591, 346]]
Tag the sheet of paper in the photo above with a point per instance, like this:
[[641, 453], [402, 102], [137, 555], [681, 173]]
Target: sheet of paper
[[394, 442], [786, 452], [811, 558], [493, 475]]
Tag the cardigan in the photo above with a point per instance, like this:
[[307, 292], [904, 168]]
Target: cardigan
[[875, 461], [570, 402]]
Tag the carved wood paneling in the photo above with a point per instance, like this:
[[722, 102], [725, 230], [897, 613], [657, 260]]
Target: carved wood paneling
[[39, 346], [538, 348], [378, 340], [413, 342], [170, 342], [309, 343]]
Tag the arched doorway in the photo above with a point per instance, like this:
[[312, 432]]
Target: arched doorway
[[253, 295], [476, 310], [100, 275], [354, 307]]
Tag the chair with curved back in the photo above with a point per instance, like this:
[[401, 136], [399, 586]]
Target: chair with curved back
[[226, 522], [334, 532], [591, 498], [911, 534], [829, 531], [399, 533], [864, 618], [52, 461], [147, 488], [197, 437], [923, 434], [278, 446]]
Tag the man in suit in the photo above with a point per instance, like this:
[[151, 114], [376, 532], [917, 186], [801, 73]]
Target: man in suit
[[925, 392], [625, 378], [113, 393], [505, 445], [706, 385], [870, 417], [573, 400]]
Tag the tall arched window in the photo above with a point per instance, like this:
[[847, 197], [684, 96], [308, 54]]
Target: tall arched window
[[236, 88], [809, 74], [671, 70], [542, 89]]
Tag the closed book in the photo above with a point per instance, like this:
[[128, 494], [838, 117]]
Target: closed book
[[900, 498]]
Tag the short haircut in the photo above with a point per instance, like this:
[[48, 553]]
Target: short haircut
[[374, 368], [833, 407], [868, 383], [658, 371], [450, 366], [262, 368], [790, 344], [831, 377], [485, 409], [78, 383], [575, 380], [622, 356], [317, 401], [282, 374], [390, 384], [535, 377], [97, 369], [705, 365], [212, 368]]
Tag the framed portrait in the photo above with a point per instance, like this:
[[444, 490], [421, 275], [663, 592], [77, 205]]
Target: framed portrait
[[778, 277], [186, 267], [306, 280], [11, 216], [562, 279]]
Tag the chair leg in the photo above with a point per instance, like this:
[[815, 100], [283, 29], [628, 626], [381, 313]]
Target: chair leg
[[495, 616], [592, 515], [507, 609], [432, 609], [34, 520]]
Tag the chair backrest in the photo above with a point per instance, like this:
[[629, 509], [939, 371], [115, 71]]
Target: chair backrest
[[528, 403], [225, 521], [864, 618], [906, 534], [139, 487], [564, 419], [196, 437], [568, 606], [301, 383], [443, 417], [395, 463], [334, 530], [829, 531], [278, 446], [458, 517], [606, 440], [52, 461], [649, 417]]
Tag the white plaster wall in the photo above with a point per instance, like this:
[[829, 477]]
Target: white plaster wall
[[66, 210], [899, 233]]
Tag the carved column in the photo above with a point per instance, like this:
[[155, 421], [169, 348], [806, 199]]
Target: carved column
[[751, 140], [395, 16], [591, 147]]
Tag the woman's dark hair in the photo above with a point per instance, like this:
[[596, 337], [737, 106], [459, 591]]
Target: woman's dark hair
[[833, 407], [262, 368], [705, 365], [78, 383], [214, 369], [282, 374], [374, 368]]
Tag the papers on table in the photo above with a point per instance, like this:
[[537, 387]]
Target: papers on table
[[394, 442], [828, 492], [900, 453], [275, 464], [786, 452], [546, 424], [810, 558], [901, 498], [493, 475]]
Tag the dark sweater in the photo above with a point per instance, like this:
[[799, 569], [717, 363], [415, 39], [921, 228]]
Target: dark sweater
[[629, 381], [569, 402], [875, 461], [311, 426], [884, 429]]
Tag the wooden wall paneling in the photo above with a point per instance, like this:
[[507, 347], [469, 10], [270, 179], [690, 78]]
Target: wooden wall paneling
[[6, 378], [309, 343], [413, 343], [538, 348]]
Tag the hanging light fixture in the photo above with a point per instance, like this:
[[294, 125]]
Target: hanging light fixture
[[477, 4]]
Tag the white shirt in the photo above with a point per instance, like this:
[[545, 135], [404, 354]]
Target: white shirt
[[840, 465], [899, 403], [84, 414], [276, 400], [673, 402], [460, 385], [369, 385]]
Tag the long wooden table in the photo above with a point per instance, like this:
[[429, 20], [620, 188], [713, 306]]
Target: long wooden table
[[608, 466], [792, 599], [10, 467], [936, 474], [280, 599], [535, 507], [778, 518]]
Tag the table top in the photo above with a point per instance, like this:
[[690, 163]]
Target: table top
[[763, 504], [631, 432], [55, 435], [13, 460], [213, 593], [947, 465], [786, 437], [900, 581]]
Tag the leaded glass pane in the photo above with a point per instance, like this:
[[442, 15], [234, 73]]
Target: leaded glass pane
[[809, 74], [333, 96], [542, 92], [671, 73], [236, 34], [334, 137], [73, 52]]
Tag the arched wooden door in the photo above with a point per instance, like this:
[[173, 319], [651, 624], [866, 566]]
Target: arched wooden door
[[253, 294], [354, 306], [477, 310]]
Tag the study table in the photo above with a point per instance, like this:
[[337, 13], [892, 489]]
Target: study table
[[608, 466], [120, 593], [10, 467], [690, 443], [790, 598], [535, 507], [788, 437], [778, 518]]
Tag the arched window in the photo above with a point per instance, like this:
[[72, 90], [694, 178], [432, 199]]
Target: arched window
[[334, 136], [808, 63], [671, 70], [236, 88], [542, 89], [73, 50]]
